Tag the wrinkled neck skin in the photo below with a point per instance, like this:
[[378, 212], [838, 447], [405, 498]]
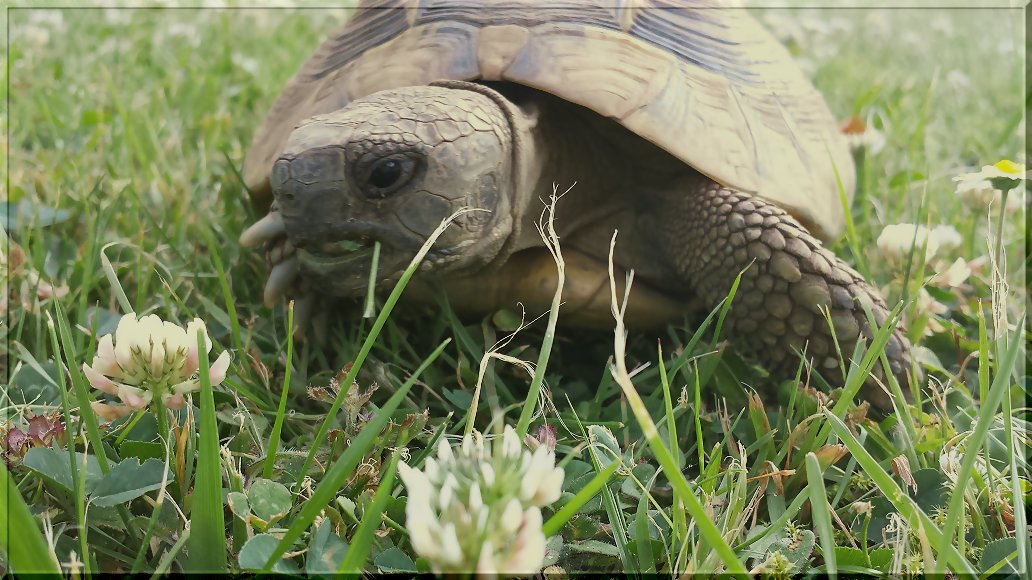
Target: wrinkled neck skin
[[612, 181]]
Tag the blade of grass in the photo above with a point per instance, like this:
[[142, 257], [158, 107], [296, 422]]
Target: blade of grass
[[706, 527], [86, 415], [821, 512], [344, 466], [903, 503], [983, 356], [986, 416], [82, 395], [680, 523], [725, 305], [570, 509], [374, 332], [847, 214], [646, 560], [166, 561], [227, 293], [546, 229], [80, 498], [358, 552], [159, 500], [609, 501], [856, 377], [1020, 515], [699, 446], [370, 301], [109, 273], [20, 537], [281, 412], [207, 518], [802, 496]]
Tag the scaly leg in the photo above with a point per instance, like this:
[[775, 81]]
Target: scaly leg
[[790, 278]]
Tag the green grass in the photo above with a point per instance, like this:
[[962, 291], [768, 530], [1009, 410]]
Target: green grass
[[125, 134]]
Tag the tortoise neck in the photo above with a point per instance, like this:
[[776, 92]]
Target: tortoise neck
[[561, 151]]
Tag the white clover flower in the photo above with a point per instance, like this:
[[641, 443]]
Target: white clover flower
[[895, 242], [956, 274], [149, 358], [927, 307], [958, 80], [477, 507], [947, 237]]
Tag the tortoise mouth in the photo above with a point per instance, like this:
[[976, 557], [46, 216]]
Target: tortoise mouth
[[342, 261]]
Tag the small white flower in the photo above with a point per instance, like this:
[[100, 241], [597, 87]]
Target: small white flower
[[980, 188], [451, 551], [956, 274], [977, 192], [958, 80], [510, 442], [476, 501], [486, 565], [417, 483], [249, 65], [860, 135], [1005, 169], [149, 358], [482, 508], [447, 489], [947, 237], [422, 540], [927, 307], [550, 488], [895, 242], [512, 516], [980, 194], [430, 468], [529, 546], [37, 36], [487, 473], [443, 449]]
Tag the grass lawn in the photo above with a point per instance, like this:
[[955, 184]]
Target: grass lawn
[[125, 133]]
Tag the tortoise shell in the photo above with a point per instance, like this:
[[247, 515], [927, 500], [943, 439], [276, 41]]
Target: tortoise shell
[[703, 80]]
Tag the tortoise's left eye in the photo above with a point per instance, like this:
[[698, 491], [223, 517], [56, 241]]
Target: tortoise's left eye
[[387, 174]]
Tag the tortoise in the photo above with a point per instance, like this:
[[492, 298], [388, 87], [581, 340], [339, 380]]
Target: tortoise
[[683, 125]]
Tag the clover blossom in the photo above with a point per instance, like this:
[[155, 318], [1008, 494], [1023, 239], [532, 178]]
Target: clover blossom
[[477, 508], [150, 359], [896, 240]]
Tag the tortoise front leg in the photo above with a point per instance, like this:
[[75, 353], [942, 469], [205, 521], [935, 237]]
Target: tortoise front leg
[[789, 277]]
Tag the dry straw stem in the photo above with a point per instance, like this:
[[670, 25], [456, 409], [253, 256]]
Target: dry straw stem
[[546, 229]]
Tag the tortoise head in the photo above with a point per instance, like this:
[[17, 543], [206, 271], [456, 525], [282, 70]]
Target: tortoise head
[[389, 168]]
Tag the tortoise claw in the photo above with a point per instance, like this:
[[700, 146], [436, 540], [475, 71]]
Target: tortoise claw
[[281, 278], [264, 230]]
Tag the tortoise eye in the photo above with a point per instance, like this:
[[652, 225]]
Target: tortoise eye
[[387, 175]]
